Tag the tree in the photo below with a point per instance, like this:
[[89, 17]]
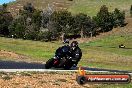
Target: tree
[[84, 24], [80, 22], [4, 6], [45, 36], [91, 27], [131, 11], [29, 7], [119, 17], [104, 19], [5, 20], [60, 21], [27, 23], [36, 17], [31, 31], [17, 27], [46, 15]]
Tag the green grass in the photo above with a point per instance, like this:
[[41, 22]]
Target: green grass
[[91, 7], [101, 53], [104, 53], [34, 49], [111, 43]]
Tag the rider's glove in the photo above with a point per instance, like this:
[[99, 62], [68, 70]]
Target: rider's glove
[[74, 65], [70, 57], [74, 60]]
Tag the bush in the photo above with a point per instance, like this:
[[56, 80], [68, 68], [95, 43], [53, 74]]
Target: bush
[[107, 20], [16, 29], [45, 36], [131, 11], [119, 17], [104, 19], [5, 20]]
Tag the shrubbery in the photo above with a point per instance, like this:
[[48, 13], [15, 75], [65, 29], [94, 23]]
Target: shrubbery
[[5, 20], [107, 20], [47, 25], [131, 11], [45, 36]]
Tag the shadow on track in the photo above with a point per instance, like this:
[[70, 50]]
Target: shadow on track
[[25, 65], [20, 65]]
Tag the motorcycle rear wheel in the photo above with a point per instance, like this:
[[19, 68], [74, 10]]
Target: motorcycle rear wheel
[[68, 65]]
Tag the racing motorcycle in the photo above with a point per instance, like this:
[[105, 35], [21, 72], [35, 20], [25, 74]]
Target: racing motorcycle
[[61, 59]]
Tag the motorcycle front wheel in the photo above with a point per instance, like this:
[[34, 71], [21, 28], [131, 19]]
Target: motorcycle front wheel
[[49, 63]]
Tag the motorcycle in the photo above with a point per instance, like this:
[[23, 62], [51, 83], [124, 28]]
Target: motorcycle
[[61, 59]]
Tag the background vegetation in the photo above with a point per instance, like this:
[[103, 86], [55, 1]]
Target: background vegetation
[[101, 53], [34, 24]]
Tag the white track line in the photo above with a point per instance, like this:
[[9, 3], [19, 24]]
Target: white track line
[[44, 70], [47, 70]]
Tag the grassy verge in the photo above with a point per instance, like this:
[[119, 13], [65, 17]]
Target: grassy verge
[[101, 53], [91, 7], [104, 53], [110, 44], [34, 49]]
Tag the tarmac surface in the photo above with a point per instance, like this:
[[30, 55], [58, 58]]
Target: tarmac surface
[[25, 65]]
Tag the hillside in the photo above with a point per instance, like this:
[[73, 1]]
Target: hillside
[[90, 7], [39, 4]]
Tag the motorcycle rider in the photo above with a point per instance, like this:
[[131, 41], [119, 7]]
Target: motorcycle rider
[[76, 53], [71, 54]]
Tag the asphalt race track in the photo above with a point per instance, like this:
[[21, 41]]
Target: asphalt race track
[[25, 65]]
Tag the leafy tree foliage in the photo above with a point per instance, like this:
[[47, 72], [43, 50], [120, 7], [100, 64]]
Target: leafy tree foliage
[[46, 15], [104, 19], [62, 20], [119, 17], [107, 20], [131, 11], [45, 36], [84, 24], [17, 28], [29, 8], [48, 24], [5, 20], [27, 24]]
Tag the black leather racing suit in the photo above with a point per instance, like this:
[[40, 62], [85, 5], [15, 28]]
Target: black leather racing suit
[[76, 55]]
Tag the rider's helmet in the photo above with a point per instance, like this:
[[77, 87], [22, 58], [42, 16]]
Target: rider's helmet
[[66, 41], [74, 45]]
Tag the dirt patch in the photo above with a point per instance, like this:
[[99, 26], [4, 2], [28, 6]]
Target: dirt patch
[[40, 80], [12, 56], [8, 54]]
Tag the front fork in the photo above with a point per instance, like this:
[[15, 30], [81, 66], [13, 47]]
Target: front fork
[[55, 62]]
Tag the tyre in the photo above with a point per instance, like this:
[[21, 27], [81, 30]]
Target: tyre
[[81, 80], [62, 62], [49, 63], [68, 65]]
